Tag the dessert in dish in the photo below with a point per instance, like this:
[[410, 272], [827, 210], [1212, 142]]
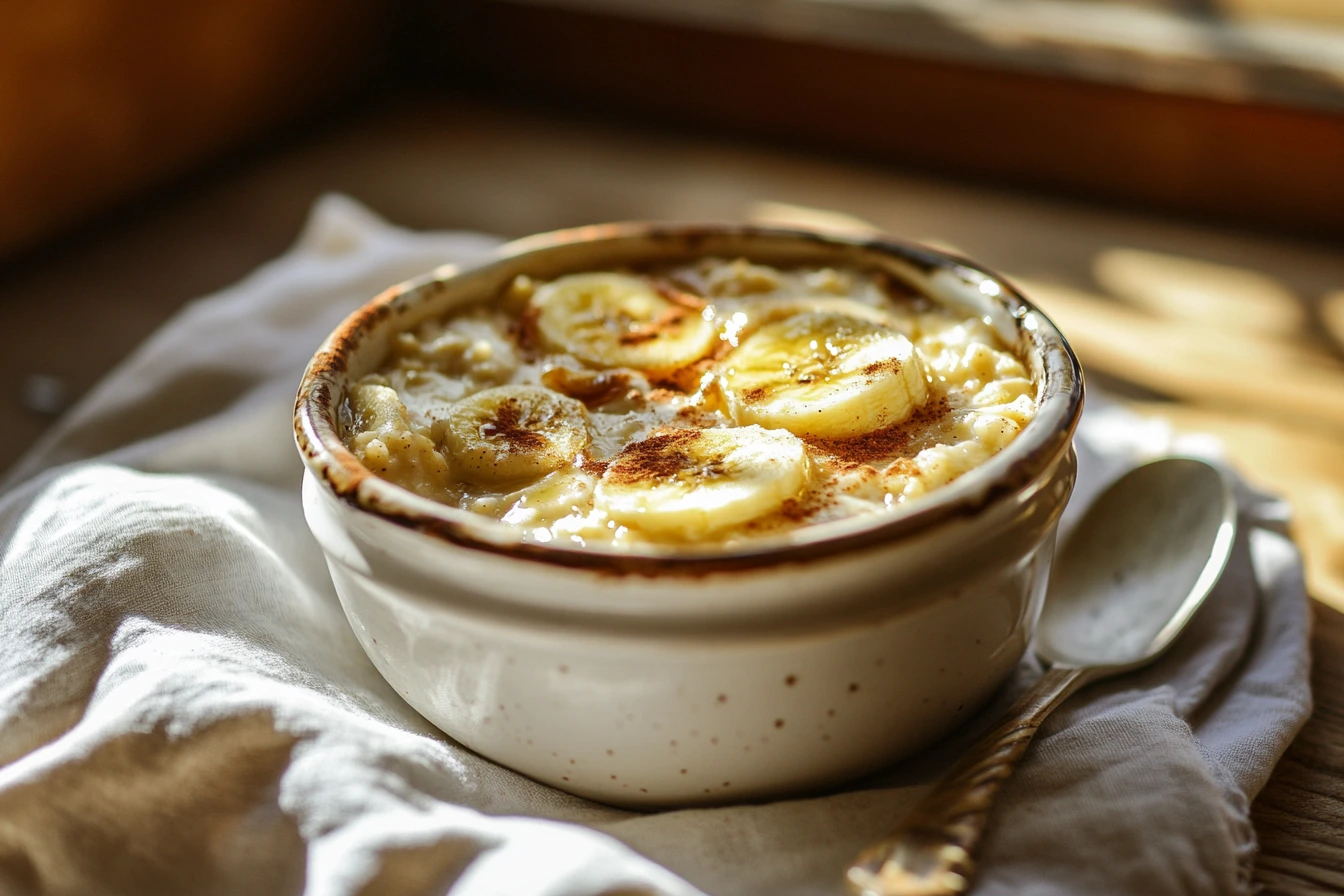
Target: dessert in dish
[[711, 660], [717, 401]]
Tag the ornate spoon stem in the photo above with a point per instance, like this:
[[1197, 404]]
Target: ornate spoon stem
[[932, 853]]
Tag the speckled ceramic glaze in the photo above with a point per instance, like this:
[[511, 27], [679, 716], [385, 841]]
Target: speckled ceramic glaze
[[703, 677]]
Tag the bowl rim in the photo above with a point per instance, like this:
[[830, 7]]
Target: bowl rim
[[1042, 442]]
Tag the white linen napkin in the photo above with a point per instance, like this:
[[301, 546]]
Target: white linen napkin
[[183, 708]]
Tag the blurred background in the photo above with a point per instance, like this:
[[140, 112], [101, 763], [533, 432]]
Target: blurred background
[[1166, 177]]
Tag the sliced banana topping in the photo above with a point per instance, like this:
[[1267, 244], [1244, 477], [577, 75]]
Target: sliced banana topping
[[618, 320], [513, 432], [824, 374], [549, 498], [689, 483]]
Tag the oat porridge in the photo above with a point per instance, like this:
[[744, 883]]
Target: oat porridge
[[712, 402]]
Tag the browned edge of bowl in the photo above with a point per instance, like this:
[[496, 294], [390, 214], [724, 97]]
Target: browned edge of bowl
[[318, 438]]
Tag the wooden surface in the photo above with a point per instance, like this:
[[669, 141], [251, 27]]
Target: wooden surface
[[1278, 52], [74, 309], [1244, 162], [1299, 816], [99, 100]]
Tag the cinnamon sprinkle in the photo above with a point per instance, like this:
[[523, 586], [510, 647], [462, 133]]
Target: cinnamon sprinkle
[[903, 466], [796, 510], [886, 365], [663, 455], [883, 443], [507, 427], [590, 465]]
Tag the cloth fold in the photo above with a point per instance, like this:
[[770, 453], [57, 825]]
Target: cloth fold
[[184, 709]]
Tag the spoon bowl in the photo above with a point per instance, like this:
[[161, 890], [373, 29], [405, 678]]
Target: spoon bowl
[[1137, 566]]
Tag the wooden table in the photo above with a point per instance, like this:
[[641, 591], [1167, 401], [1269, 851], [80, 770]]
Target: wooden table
[[1300, 813], [75, 308]]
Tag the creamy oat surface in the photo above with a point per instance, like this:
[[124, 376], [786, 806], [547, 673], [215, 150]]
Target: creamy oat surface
[[713, 402]]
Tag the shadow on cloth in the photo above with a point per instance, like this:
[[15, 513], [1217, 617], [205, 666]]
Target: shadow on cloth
[[197, 804]]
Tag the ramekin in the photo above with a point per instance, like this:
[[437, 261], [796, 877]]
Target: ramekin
[[696, 676]]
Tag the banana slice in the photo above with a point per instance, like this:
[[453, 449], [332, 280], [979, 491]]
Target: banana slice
[[616, 320], [690, 483], [513, 432], [823, 374]]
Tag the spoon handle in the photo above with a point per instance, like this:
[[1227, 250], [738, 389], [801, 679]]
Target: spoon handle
[[932, 851]]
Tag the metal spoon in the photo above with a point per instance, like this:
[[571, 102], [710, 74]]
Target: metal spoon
[[1134, 571]]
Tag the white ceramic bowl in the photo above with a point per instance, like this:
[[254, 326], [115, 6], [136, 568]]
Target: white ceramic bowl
[[707, 676]]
